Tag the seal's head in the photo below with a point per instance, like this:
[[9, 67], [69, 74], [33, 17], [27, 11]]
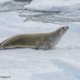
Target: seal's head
[[62, 30]]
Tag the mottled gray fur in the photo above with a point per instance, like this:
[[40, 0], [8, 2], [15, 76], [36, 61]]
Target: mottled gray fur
[[37, 41]]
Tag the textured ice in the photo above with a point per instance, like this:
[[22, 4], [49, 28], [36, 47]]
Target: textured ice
[[51, 5], [3, 1]]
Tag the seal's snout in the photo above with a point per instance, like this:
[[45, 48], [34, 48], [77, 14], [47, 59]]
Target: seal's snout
[[67, 27]]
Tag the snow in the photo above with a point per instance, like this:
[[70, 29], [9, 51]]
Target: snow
[[60, 63], [3, 1], [51, 5]]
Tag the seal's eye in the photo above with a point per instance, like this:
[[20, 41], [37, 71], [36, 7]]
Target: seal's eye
[[63, 27]]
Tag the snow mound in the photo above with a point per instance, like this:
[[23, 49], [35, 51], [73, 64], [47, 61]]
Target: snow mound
[[50, 5]]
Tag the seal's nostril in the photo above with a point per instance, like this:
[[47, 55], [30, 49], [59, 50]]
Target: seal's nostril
[[67, 27]]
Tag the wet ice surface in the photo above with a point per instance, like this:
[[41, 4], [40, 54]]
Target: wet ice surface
[[60, 63]]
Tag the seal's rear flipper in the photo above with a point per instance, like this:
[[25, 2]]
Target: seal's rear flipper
[[1, 46]]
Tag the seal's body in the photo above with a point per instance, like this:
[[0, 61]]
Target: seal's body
[[37, 41]]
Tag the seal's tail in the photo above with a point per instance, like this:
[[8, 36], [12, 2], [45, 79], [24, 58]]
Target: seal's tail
[[0, 46]]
